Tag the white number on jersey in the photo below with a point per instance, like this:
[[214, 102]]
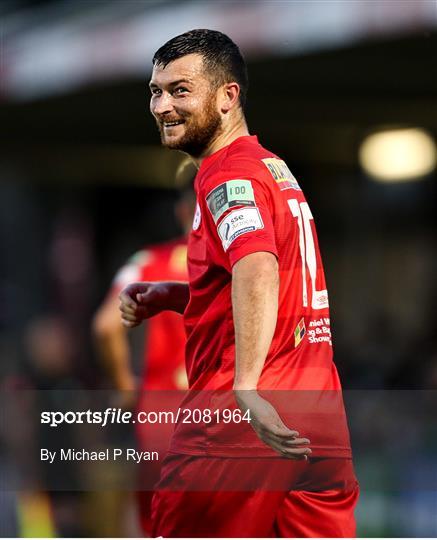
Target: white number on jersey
[[302, 213]]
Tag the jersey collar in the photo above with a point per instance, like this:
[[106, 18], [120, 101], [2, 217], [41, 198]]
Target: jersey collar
[[208, 161]]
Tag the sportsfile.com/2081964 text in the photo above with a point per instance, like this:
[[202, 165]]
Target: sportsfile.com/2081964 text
[[112, 415]]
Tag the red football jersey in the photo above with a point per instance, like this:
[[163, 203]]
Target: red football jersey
[[164, 358], [248, 201]]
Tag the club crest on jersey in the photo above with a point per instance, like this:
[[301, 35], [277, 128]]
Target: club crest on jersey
[[239, 222], [231, 193], [197, 217], [281, 173]]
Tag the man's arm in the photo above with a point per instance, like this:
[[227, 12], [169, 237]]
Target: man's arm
[[255, 289], [112, 344], [139, 301]]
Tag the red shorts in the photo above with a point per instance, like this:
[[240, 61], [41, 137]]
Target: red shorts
[[302, 511]]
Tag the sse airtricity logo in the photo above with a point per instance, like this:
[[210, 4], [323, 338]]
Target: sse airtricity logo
[[239, 222]]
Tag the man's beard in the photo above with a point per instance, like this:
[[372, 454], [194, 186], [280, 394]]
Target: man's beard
[[198, 135]]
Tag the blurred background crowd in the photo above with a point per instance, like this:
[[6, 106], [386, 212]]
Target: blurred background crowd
[[345, 92]]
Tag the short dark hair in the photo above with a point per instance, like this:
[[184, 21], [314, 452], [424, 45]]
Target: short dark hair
[[221, 56]]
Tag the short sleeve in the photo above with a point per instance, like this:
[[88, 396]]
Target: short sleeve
[[242, 214], [132, 271]]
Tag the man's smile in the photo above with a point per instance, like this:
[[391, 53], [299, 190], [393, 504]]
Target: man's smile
[[168, 124]]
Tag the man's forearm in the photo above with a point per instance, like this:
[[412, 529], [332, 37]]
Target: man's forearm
[[145, 299], [255, 287]]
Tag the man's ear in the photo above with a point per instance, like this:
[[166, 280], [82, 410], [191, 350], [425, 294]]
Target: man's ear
[[231, 94]]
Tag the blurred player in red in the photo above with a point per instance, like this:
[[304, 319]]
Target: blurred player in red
[[257, 318], [163, 365]]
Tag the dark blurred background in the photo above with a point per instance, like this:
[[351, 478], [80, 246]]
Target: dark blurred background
[[345, 92]]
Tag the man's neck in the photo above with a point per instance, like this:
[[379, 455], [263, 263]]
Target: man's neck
[[225, 138]]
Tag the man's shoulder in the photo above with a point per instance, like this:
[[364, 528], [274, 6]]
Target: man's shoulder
[[244, 160], [264, 165], [155, 253], [247, 151], [166, 247]]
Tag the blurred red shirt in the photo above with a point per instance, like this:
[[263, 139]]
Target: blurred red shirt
[[164, 347]]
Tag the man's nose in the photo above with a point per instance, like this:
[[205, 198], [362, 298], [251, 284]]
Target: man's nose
[[162, 104]]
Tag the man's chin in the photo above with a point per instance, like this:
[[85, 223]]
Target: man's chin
[[172, 144], [168, 140]]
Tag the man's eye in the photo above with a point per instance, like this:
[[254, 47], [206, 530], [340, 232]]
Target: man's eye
[[155, 91], [180, 90]]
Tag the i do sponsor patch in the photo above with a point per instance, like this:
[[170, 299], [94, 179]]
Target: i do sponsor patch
[[281, 173], [239, 222], [231, 193]]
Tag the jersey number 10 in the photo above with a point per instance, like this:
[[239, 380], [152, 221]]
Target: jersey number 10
[[302, 212]]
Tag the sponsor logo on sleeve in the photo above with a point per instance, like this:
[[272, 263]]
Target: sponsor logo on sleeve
[[281, 173], [239, 222], [231, 193]]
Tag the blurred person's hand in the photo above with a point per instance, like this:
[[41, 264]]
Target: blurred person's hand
[[139, 301]]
